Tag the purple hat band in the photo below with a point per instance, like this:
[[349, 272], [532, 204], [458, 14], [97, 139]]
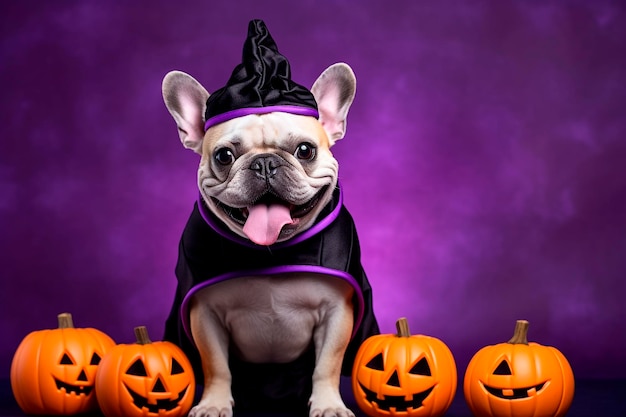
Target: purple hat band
[[233, 114]]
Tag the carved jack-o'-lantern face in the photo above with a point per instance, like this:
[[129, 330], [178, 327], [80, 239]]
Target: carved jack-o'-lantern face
[[420, 387], [145, 379], [166, 390], [75, 375], [54, 371], [404, 375], [504, 385], [519, 378]]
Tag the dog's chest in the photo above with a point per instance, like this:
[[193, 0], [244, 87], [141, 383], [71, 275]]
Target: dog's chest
[[273, 318]]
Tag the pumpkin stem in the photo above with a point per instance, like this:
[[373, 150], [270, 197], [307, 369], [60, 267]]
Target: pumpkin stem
[[402, 326], [520, 334], [141, 333], [65, 321]]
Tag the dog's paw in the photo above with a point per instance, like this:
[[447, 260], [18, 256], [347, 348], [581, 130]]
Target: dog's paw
[[203, 409], [331, 412], [328, 405]]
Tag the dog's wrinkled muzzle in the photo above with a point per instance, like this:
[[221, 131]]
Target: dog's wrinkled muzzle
[[263, 221]]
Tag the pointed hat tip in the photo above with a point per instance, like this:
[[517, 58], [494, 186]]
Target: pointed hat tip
[[261, 83]]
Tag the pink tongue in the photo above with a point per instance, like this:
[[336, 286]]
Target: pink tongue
[[264, 223]]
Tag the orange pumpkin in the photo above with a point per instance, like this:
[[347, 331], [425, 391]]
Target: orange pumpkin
[[145, 379], [519, 378], [53, 371], [404, 375]]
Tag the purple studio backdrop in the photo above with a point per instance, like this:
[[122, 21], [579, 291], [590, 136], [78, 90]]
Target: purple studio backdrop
[[484, 162]]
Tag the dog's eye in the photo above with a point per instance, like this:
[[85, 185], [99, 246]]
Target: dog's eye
[[305, 151], [224, 156]]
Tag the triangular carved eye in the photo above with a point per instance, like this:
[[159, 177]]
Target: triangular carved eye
[[377, 363], [95, 359], [176, 367], [137, 369], [503, 369], [421, 368], [66, 360]]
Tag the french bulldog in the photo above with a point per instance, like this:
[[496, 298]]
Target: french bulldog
[[268, 177], [269, 264]]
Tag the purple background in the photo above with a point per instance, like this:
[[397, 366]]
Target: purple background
[[485, 161]]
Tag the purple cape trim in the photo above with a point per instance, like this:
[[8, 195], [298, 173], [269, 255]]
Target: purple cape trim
[[184, 308], [228, 234], [223, 117]]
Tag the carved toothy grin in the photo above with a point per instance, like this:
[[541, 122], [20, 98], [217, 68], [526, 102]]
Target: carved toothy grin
[[164, 404], [514, 393], [396, 402], [73, 389]]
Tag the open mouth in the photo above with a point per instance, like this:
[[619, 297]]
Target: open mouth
[[161, 405], [396, 402], [73, 389], [240, 215], [514, 393]]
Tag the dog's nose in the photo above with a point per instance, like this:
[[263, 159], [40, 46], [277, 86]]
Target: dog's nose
[[265, 166]]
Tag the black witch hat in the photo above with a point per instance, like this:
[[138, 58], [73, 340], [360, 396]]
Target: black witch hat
[[260, 84]]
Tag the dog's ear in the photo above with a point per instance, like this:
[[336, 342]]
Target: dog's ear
[[334, 92], [185, 99]]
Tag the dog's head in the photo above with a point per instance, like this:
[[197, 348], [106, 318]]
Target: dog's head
[[266, 176]]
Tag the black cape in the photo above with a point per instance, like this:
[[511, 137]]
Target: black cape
[[210, 253]]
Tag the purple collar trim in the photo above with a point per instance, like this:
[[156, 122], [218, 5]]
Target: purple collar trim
[[360, 304], [223, 117], [220, 229]]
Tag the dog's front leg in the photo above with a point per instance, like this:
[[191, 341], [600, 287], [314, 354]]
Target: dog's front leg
[[331, 337], [211, 339]]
